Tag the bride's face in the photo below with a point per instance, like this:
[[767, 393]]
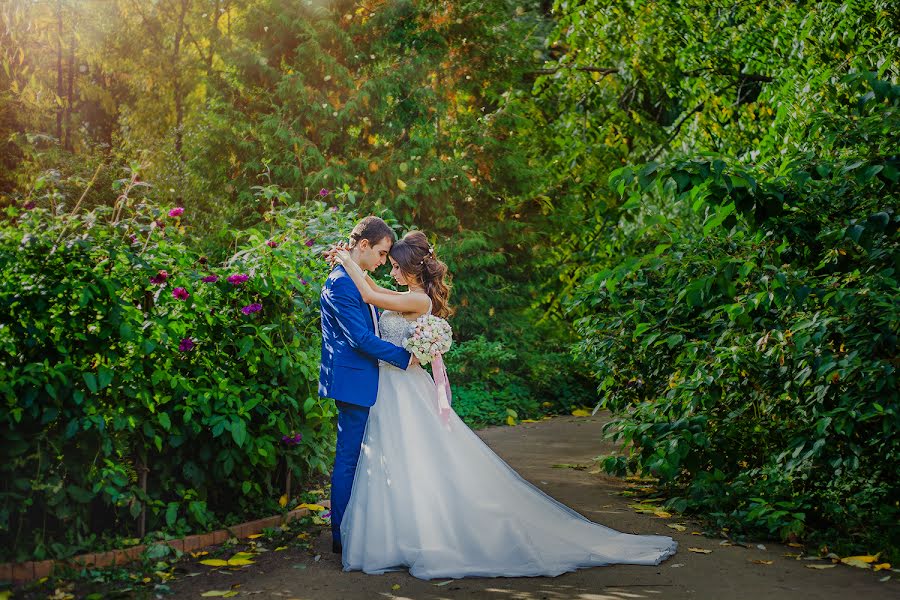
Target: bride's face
[[397, 273]]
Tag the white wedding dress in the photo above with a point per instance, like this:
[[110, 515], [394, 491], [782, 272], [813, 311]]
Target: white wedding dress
[[430, 496]]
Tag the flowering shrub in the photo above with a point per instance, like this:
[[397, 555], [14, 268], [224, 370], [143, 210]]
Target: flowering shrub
[[123, 353]]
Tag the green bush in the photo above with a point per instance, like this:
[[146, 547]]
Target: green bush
[[106, 374], [747, 342]]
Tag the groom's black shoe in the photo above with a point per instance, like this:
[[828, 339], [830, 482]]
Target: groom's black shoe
[[337, 548]]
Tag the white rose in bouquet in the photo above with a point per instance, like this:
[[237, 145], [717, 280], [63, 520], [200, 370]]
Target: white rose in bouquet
[[431, 337]]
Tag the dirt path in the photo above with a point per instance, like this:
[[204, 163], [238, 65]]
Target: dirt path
[[533, 449]]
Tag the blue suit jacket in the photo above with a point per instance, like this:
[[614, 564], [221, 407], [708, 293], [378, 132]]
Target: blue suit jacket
[[350, 348]]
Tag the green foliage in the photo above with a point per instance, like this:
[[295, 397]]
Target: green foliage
[[100, 386], [747, 342]]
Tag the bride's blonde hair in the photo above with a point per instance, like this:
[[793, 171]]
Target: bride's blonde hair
[[417, 259]]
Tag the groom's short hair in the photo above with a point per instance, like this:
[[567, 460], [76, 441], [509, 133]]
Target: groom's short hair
[[373, 229]]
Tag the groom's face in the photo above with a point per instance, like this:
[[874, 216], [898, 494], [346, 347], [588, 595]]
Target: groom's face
[[371, 257]]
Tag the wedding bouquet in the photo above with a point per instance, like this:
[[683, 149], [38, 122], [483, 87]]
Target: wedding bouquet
[[431, 337]]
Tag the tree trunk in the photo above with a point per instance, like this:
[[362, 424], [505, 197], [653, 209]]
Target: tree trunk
[[179, 85], [70, 97], [59, 70]]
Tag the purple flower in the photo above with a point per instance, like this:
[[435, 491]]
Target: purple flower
[[272, 244], [159, 278], [293, 439], [323, 192], [251, 308], [160, 224], [326, 515], [210, 279], [303, 281], [176, 212], [237, 279], [180, 293], [186, 345], [133, 238], [310, 242], [334, 209], [30, 205]]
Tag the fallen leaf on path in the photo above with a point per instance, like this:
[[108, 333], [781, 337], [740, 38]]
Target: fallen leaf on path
[[452, 580], [299, 566], [883, 579], [568, 466], [860, 562], [696, 533], [757, 561], [676, 526], [726, 543], [882, 566], [219, 594], [820, 566], [662, 514], [313, 507], [581, 413], [254, 536], [243, 555], [395, 587], [214, 562], [239, 562], [280, 548], [676, 565], [199, 554], [791, 555], [795, 545], [761, 546], [700, 550]]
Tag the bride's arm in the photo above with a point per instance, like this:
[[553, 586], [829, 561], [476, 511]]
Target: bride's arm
[[378, 288], [387, 299]]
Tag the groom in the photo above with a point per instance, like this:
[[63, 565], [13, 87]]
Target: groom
[[351, 349]]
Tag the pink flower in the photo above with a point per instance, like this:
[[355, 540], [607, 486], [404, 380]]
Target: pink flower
[[251, 308], [323, 192], [180, 293], [272, 244], [159, 278], [186, 345], [210, 279], [237, 279], [30, 205], [176, 212], [310, 242]]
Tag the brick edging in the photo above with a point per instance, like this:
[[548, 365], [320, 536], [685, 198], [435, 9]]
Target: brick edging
[[31, 570]]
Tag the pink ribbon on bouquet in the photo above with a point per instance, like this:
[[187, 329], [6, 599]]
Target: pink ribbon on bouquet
[[442, 383]]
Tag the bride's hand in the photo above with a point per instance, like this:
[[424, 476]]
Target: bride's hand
[[342, 256], [330, 255]]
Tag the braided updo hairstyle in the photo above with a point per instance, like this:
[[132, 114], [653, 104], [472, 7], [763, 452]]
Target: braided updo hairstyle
[[417, 259]]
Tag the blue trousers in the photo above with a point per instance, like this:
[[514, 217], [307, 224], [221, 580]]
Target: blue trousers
[[351, 426]]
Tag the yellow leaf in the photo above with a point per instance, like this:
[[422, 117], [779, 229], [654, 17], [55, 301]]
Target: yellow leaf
[[860, 559], [282, 502], [510, 421], [528, 421], [230, 594], [146, 580], [239, 562], [881, 567], [215, 593], [199, 554], [395, 587], [820, 566], [662, 514], [280, 548], [373, 167], [700, 550], [313, 507], [214, 562], [243, 555], [401, 184], [795, 545], [857, 561], [762, 562], [580, 413], [254, 536], [696, 533], [676, 527], [5, 595]]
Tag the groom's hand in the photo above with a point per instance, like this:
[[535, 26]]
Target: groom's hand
[[413, 361]]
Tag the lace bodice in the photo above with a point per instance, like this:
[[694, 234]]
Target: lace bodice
[[394, 327]]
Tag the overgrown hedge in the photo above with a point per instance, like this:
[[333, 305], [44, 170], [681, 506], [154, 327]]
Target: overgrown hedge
[[108, 369], [747, 341]]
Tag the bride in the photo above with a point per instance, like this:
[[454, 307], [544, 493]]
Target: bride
[[429, 495]]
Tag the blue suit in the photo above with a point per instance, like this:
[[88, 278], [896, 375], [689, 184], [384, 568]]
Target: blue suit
[[349, 374]]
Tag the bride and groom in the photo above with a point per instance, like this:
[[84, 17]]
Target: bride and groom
[[409, 489]]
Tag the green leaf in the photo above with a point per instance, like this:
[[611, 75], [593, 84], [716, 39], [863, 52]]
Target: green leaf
[[91, 380]]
